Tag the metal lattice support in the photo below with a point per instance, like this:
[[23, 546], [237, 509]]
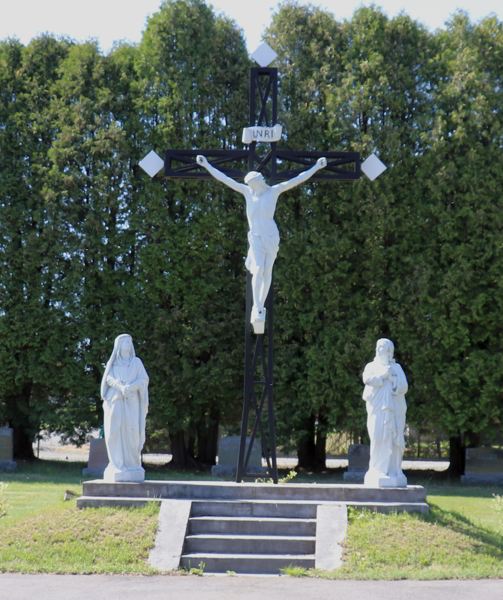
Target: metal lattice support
[[256, 359], [266, 91]]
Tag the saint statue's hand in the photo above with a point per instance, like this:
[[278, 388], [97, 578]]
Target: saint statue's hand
[[201, 160], [321, 162]]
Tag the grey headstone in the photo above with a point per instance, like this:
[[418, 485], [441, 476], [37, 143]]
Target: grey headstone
[[483, 465], [98, 458], [6, 449], [228, 452], [358, 462]]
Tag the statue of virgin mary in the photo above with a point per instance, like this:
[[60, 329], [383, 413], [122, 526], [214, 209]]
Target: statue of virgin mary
[[124, 391]]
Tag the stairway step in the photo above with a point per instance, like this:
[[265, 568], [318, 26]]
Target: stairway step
[[301, 510], [97, 501], [256, 544], [253, 508], [250, 508], [246, 563], [252, 526]]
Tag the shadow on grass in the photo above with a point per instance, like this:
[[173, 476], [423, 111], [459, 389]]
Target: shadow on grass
[[487, 541]]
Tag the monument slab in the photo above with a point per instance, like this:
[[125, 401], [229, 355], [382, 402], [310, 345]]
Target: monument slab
[[228, 452], [358, 462], [483, 466], [98, 458], [6, 449]]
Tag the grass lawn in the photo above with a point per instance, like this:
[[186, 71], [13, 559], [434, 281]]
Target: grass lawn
[[460, 538]]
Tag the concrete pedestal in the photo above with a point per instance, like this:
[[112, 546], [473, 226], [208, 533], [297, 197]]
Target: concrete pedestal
[[376, 480], [111, 475]]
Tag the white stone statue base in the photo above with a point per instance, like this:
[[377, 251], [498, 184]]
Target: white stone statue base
[[374, 479], [113, 475]]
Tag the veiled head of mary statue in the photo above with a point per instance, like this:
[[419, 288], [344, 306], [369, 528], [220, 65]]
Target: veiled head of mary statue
[[385, 346], [123, 348]]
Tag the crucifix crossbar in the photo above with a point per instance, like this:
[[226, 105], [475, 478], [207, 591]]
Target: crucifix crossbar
[[341, 166]]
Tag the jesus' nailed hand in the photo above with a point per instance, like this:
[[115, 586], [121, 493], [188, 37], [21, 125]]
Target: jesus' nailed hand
[[263, 236]]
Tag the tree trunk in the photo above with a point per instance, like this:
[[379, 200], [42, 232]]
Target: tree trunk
[[181, 457], [320, 450], [207, 434], [321, 441], [456, 456], [20, 418], [306, 447], [23, 443], [191, 445]]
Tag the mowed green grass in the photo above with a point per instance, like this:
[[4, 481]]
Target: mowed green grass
[[43, 533], [460, 538], [445, 544]]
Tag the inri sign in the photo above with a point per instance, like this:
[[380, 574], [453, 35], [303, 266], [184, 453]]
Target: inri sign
[[262, 134]]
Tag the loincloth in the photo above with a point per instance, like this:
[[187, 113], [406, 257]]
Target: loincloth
[[259, 247]]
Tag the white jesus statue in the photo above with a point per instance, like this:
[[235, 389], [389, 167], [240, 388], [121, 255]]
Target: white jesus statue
[[263, 236]]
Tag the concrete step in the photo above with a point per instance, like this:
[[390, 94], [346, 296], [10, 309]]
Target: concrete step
[[304, 510], [246, 563], [259, 509], [251, 526], [255, 544], [97, 501]]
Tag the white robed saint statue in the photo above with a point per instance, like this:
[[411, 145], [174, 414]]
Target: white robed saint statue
[[124, 391], [384, 394], [263, 235]]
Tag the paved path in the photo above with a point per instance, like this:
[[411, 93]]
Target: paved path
[[94, 587]]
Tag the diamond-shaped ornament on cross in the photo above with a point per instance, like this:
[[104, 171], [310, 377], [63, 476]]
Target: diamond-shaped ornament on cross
[[152, 163], [373, 167], [264, 55]]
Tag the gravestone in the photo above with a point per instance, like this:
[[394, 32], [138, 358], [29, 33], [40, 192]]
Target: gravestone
[[228, 451], [358, 462], [483, 466], [6, 449], [98, 459]]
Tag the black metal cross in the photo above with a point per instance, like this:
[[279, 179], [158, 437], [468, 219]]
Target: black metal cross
[[341, 166]]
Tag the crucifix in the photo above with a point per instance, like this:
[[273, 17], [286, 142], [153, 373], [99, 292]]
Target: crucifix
[[263, 235]]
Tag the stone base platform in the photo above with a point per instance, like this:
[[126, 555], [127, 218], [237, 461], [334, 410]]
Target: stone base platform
[[250, 527], [411, 498]]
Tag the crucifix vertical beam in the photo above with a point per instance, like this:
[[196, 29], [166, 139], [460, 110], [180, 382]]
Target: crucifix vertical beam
[[264, 86]]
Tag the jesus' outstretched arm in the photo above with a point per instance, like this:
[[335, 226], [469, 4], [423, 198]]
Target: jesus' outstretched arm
[[321, 163], [237, 187]]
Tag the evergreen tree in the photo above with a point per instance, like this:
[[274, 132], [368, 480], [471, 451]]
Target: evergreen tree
[[33, 329], [192, 78], [457, 315]]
